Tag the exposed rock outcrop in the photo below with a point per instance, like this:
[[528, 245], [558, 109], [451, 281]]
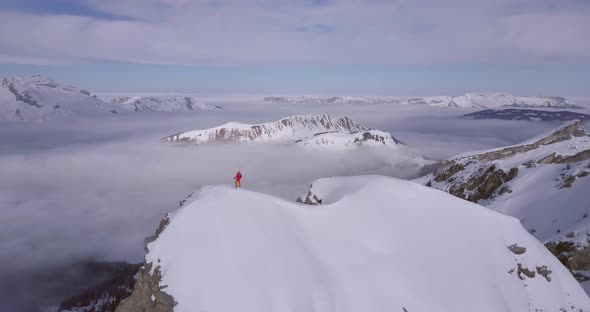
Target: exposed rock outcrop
[[310, 198], [148, 294], [105, 296]]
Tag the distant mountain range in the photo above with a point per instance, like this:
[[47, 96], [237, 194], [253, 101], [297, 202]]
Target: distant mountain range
[[526, 114], [39, 98], [161, 103], [481, 100]]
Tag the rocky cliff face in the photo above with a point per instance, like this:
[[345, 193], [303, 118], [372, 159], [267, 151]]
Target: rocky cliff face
[[106, 295], [148, 293], [543, 182]]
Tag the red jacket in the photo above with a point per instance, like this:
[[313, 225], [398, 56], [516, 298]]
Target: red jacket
[[238, 176]]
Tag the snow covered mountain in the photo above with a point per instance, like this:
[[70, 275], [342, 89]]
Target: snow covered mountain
[[543, 182], [492, 100], [324, 100], [161, 103], [286, 130], [526, 114], [374, 244], [316, 132], [38, 98], [477, 100]]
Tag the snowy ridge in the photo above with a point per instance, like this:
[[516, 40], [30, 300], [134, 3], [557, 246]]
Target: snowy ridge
[[493, 100], [355, 252], [286, 130], [38, 98], [566, 140], [327, 100], [161, 103]]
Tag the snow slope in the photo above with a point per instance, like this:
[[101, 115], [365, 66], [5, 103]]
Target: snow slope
[[38, 98], [544, 182], [548, 170], [161, 103], [375, 244]]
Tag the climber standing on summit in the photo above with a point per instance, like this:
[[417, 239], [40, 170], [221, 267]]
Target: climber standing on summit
[[238, 180]]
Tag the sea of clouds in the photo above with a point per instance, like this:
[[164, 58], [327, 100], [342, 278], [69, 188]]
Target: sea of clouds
[[92, 189]]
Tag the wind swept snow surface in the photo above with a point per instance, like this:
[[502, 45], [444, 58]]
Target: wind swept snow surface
[[376, 244]]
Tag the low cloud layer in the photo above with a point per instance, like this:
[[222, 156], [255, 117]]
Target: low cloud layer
[[295, 32]]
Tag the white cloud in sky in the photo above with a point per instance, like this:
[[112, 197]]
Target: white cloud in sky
[[305, 32]]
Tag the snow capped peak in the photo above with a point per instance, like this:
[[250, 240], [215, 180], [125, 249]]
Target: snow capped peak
[[369, 246]]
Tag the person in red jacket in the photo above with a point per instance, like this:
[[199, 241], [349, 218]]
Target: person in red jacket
[[238, 179]]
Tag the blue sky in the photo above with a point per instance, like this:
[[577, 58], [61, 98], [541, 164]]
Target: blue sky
[[395, 47]]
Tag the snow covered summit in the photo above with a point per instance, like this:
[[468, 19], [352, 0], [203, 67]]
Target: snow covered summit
[[38, 98], [375, 244]]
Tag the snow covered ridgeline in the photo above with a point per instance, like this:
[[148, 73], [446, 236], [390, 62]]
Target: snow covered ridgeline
[[333, 99], [375, 244], [161, 103], [543, 182], [479, 175], [482, 100], [493, 100], [287, 130], [38, 98]]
